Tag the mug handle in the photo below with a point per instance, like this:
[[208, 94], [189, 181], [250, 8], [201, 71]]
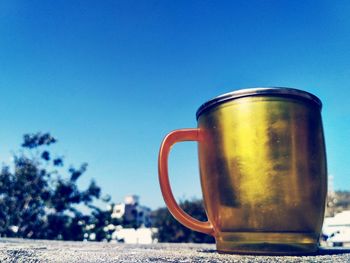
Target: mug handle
[[179, 214]]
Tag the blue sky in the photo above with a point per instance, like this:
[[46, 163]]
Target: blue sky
[[110, 78]]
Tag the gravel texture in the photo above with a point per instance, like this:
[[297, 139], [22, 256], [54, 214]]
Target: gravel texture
[[20, 250]]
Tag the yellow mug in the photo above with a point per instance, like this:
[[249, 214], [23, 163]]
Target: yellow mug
[[263, 171]]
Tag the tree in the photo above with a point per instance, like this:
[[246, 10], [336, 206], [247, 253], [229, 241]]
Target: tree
[[169, 230], [337, 202], [37, 201]]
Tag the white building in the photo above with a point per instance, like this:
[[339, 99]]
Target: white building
[[132, 211], [132, 227], [134, 236], [337, 229]]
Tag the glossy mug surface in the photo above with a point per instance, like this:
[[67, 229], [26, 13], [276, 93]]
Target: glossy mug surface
[[263, 171]]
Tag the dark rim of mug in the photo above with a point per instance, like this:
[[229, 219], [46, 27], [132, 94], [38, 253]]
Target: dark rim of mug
[[261, 91]]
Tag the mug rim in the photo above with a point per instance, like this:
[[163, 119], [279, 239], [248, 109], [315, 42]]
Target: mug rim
[[259, 91]]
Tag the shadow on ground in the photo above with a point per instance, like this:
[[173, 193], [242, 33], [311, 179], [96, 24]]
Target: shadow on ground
[[320, 252]]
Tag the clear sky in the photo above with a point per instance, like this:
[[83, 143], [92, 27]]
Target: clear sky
[[110, 78]]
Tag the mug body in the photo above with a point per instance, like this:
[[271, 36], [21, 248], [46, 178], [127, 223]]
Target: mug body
[[263, 170]]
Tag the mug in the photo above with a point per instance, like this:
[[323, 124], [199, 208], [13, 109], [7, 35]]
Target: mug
[[263, 171]]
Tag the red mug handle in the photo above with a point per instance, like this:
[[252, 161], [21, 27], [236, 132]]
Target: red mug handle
[[179, 214]]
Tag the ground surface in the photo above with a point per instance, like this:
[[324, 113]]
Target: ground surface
[[19, 250]]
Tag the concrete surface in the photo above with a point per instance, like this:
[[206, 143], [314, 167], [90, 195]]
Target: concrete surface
[[20, 250]]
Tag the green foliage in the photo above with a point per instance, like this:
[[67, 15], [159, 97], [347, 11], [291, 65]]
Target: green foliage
[[337, 202], [101, 221], [169, 230], [37, 201], [343, 199]]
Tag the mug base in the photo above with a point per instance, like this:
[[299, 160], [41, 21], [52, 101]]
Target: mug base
[[267, 243]]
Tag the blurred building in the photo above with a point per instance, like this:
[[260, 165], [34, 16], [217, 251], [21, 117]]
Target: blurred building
[[135, 236], [132, 212], [336, 230], [132, 224]]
